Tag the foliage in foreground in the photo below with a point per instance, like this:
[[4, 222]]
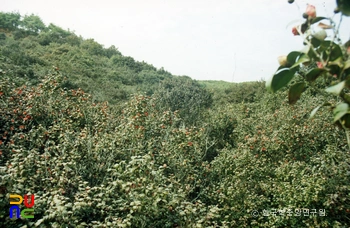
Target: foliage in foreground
[[87, 164], [323, 58], [91, 165]]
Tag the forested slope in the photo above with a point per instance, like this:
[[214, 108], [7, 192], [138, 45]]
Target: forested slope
[[29, 50]]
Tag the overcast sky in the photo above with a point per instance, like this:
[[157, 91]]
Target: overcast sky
[[230, 40]]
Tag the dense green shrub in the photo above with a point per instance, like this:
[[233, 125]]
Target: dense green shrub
[[103, 72], [282, 160], [76, 156], [137, 166], [2, 36], [186, 96], [10, 21]]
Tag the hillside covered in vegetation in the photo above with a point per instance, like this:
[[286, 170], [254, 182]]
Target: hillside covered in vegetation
[[102, 140]]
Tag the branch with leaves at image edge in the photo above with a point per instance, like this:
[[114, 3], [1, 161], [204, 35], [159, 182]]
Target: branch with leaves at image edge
[[310, 45], [336, 34], [336, 31]]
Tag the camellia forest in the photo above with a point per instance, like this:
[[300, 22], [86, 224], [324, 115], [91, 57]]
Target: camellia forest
[[102, 140]]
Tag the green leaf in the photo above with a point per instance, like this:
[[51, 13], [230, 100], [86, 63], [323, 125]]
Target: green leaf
[[336, 89], [313, 74], [338, 62], [315, 42], [313, 112], [302, 59], [340, 110], [333, 54], [39, 222], [280, 68], [280, 79], [334, 70], [295, 92], [311, 53], [292, 57], [317, 19], [336, 52], [324, 45]]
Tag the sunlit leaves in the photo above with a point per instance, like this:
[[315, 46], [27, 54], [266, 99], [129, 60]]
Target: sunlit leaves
[[336, 89], [337, 62], [340, 110], [313, 112]]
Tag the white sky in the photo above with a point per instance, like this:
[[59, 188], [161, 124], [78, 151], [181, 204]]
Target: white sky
[[237, 40]]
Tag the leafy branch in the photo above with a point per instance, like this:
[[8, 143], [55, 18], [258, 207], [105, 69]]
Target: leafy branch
[[321, 57]]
